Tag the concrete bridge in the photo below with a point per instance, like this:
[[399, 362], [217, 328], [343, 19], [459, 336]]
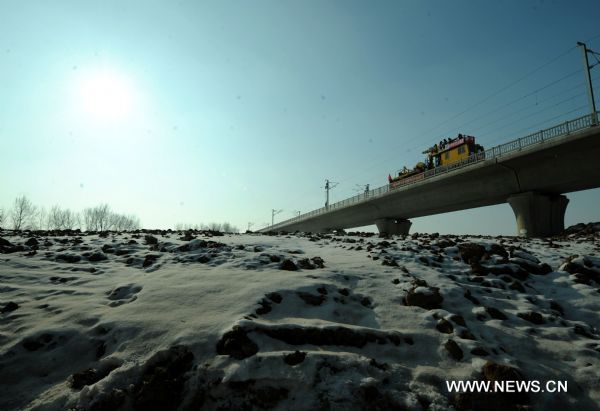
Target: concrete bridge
[[532, 174]]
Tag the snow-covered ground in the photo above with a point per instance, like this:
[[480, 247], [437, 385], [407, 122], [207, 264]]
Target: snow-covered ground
[[161, 321]]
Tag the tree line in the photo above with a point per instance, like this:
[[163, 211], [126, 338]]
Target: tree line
[[24, 215], [221, 227]]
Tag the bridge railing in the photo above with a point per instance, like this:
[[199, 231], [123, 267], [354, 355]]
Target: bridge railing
[[519, 144]]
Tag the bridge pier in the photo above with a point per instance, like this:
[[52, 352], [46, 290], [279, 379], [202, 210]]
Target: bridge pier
[[393, 226], [539, 215]]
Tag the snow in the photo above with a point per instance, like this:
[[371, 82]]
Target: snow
[[95, 334]]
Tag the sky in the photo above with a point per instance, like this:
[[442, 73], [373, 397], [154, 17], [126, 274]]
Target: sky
[[209, 111]]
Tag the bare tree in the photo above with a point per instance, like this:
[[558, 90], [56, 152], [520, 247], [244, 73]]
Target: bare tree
[[101, 218], [214, 227], [97, 218], [89, 219], [68, 219], [190, 226], [1, 216], [54, 218], [77, 220], [229, 228], [41, 220], [23, 213]]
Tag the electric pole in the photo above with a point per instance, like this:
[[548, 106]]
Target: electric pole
[[273, 214], [329, 185], [588, 77]]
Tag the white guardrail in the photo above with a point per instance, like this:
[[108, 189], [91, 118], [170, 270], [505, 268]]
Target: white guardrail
[[538, 137]]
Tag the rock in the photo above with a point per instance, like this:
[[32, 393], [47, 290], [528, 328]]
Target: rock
[[80, 379], [236, 344], [150, 240], [583, 229], [545, 268], [98, 256], [530, 266], [511, 269], [428, 298], [495, 313], [470, 297], [9, 307], [471, 252], [366, 302], [288, 265], [163, 380], [275, 297], [311, 299], [444, 243], [31, 345], [32, 242], [498, 250], [466, 334], [188, 236], [532, 317], [478, 269], [458, 319], [582, 269], [69, 258], [305, 264], [516, 285], [294, 358], [265, 307], [318, 262], [454, 350], [5, 243], [500, 372], [149, 260], [444, 326], [382, 366], [341, 336], [494, 401], [581, 330], [479, 352], [203, 259], [557, 307]]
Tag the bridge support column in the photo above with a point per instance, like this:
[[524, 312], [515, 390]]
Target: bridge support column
[[393, 226], [539, 215]]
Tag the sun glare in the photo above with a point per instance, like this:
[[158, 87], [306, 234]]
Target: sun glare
[[106, 96]]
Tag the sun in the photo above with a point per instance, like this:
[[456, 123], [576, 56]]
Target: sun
[[106, 96]]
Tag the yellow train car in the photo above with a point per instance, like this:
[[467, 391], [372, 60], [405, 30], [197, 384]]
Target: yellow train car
[[448, 151], [459, 149]]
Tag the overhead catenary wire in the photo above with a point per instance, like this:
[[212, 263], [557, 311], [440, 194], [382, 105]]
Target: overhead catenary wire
[[372, 165], [541, 103], [512, 102], [475, 105]]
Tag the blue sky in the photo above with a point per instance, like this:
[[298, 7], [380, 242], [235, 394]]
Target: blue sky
[[201, 111]]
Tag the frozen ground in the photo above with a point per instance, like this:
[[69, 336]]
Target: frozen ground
[[165, 321]]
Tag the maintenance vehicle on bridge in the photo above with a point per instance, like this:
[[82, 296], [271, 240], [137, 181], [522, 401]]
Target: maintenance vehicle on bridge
[[448, 151]]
